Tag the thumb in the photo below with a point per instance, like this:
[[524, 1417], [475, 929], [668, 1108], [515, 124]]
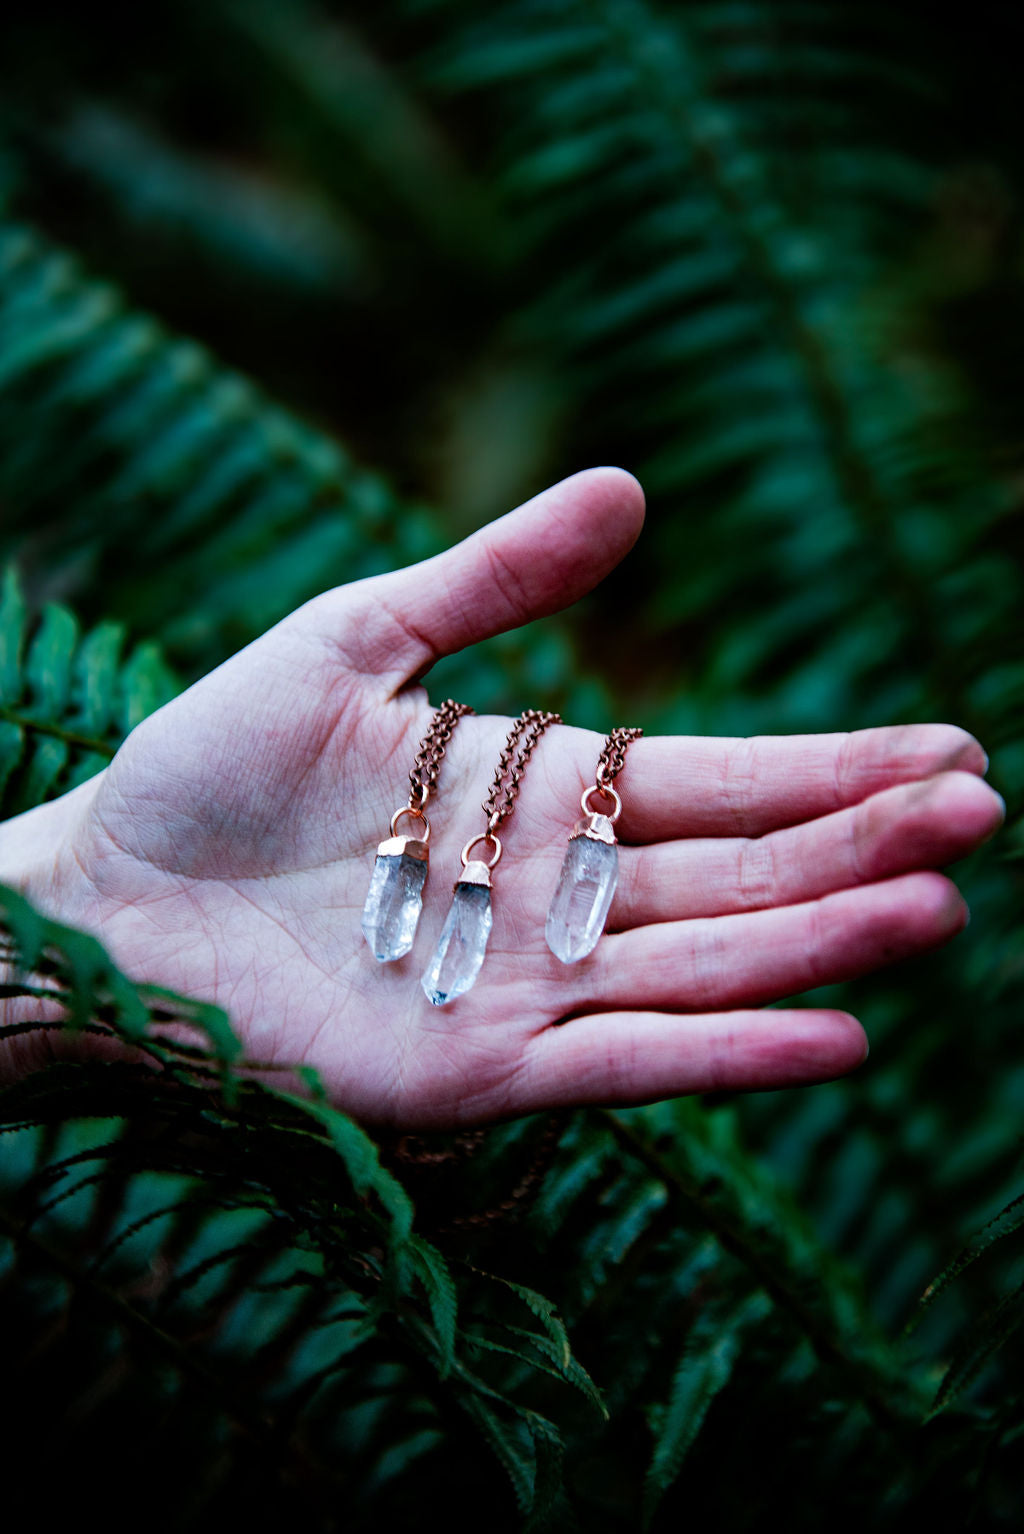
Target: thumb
[[532, 562]]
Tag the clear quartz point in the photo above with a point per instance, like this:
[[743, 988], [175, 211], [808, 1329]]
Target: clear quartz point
[[463, 942], [393, 904], [579, 908]]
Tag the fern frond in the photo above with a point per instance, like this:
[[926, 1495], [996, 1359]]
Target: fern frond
[[242, 228], [702, 1373], [545, 1312], [66, 700], [714, 324], [568, 1368], [735, 1201], [1006, 1223], [102, 412], [266, 1215], [988, 1333], [441, 1293], [511, 1444]]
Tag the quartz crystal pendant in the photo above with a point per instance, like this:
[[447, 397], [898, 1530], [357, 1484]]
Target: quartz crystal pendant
[[463, 942], [586, 885], [395, 897]]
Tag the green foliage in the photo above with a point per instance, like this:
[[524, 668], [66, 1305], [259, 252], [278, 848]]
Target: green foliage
[[66, 700], [172, 454], [710, 300], [768, 257], [704, 1370], [285, 1276]]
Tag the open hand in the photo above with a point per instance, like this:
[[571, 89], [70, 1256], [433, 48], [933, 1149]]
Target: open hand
[[227, 850]]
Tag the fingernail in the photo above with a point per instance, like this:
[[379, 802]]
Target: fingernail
[[967, 755]]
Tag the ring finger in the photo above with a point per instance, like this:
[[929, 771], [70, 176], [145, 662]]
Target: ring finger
[[761, 956]]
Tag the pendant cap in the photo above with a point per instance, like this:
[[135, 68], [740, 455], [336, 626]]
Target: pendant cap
[[475, 872], [600, 828], [409, 846]]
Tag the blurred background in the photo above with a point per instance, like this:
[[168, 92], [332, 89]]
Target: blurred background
[[294, 292]]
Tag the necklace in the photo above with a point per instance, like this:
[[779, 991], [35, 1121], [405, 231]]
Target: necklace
[[395, 897], [463, 942]]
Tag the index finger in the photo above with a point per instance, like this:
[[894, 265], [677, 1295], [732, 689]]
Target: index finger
[[676, 786]]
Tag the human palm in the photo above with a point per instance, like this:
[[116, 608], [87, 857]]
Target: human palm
[[227, 850]]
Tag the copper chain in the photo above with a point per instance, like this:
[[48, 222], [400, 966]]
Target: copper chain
[[423, 776], [516, 752], [522, 738], [613, 756]]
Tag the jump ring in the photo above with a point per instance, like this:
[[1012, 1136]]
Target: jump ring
[[485, 836], [416, 814], [609, 793]]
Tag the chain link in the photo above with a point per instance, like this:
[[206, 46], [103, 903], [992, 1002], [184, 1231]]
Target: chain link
[[516, 752], [613, 755], [423, 777], [522, 738]]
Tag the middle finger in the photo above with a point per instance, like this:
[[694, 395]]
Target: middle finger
[[914, 826]]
